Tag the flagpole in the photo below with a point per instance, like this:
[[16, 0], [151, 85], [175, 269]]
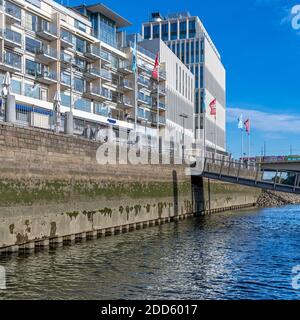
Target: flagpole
[[135, 83], [215, 136], [242, 145], [248, 147], [157, 105]]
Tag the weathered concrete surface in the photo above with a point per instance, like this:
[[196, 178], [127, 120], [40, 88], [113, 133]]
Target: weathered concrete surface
[[51, 187]]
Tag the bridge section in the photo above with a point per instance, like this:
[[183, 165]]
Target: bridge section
[[251, 175]]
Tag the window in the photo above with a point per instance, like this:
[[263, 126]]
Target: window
[[192, 52], [32, 45], [13, 10], [32, 91], [192, 29], [197, 77], [202, 51], [197, 102], [176, 76], [201, 77], [12, 59], [80, 45], [80, 26], [65, 100], [147, 32], [183, 30], [32, 68], [178, 50], [36, 3], [155, 31], [165, 32], [83, 105], [108, 31], [202, 102], [174, 30], [16, 86], [78, 84], [197, 52], [174, 47], [187, 51], [101, 109], [182, 52], [31, 22], [80, 63]]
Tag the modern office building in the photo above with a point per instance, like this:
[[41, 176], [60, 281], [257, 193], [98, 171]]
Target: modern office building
[[81, 53], [187, 38]]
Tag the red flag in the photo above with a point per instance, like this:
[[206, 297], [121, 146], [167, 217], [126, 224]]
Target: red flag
[[247, 126], [155, 68], [213, 108]]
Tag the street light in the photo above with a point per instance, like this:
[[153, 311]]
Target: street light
[[183, 116]]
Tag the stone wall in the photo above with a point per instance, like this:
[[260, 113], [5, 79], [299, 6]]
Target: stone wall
[[51, 187]]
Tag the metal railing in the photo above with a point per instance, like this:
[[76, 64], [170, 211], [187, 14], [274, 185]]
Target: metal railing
[[93, 50], [13, 36], [47, 51], [47, 27]]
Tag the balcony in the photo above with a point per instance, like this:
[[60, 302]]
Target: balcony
[[161, 91], [162, 75], [161, 106], [65, 60], [127, 85], [143, 82], [47, 31], [47, 77], [125, 67], [92, 52], [66, 39], [105, 57], [92, 74], [126, 102], [65, 81], [144, 100], [98, 93], [12, 39], [10, 62], [46, 55], [105, 75], [13, 13]]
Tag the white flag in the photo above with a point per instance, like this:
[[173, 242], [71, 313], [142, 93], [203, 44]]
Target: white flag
[[240, 122]]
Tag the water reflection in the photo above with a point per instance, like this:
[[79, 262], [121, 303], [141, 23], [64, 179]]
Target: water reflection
[[240, 255]]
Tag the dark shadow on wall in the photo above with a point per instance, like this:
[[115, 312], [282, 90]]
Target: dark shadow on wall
[[198, 194], [175, 192]]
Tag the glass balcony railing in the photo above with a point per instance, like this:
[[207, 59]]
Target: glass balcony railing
[[66, 37], [127, 101], [144, 99], [127, 84], [47, 74], [47, 27], [100, 91], [13, 36], [105, 74], [47, 51], [93, 50], [162, 120], [105, 55], [143, 81], [66, 58], [93, 71]]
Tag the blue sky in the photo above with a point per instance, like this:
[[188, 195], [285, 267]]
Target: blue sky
[[261, 53]]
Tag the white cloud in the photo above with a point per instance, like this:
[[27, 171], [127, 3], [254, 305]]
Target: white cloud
[[266, 122]]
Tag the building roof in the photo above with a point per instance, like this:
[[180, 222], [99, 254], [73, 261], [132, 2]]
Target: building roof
[[101, 8]]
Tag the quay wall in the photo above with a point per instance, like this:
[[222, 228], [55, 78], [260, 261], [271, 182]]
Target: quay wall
[[52, 191]]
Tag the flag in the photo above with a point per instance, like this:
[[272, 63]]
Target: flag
[[156, 67], [134, 56], [247, 126], [240, 122], [213, 107]]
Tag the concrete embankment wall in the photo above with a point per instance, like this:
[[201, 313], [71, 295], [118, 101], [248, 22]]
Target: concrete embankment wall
[[52, 189]]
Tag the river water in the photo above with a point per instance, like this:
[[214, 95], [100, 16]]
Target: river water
[[234, 255]]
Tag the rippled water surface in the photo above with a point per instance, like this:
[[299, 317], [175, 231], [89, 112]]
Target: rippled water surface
[[237, 255]]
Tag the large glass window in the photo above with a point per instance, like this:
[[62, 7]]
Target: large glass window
[[108, 31], [197, 52], [101, 109], [187, 51], [32, 45], [201, 77], [12, 59], [174, 29], [197, 77], [32, 91], [80, 63], [13, 10], [80, 45], [202, 51], [155, 31], [147, 32], [80, 26], [192, 52], [16, 86], [32, 68], [65, 100], [31, 22], [192, 29], [78, 84], [183, 30], [83, 105], [182, 52], [165, 32]]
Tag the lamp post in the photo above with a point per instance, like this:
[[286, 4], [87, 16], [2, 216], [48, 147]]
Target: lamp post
[[69, 121], [183, 116]]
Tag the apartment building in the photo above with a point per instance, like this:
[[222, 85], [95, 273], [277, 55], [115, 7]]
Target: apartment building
[[188, 39], [178, 90]]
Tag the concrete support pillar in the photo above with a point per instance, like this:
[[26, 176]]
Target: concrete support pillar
[[69, 239], [10, 109], [56, 242], [91, 235], [69, 123]]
